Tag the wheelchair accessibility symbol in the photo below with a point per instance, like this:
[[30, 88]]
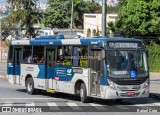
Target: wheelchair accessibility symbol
[[133, 74]]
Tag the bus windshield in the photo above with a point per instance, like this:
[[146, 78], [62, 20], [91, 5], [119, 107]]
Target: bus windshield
[[120, 63]]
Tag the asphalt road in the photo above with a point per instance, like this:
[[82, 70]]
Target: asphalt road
[[16, 96]]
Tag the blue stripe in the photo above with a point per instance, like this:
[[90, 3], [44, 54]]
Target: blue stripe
[[86, 41], [42, 73]]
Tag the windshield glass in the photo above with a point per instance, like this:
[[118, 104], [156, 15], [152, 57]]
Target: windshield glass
[[124, 64]]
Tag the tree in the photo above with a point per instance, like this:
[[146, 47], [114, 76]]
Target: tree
[[97, 32], [111, 27], [25, 14], [81, 7], [7, 29], [139, 18], [58, 14]]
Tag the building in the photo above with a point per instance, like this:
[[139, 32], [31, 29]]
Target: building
[[65, 31], [42, 5], [93, 22], [111, 3]]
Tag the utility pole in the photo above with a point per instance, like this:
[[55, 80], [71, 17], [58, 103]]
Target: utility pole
[[104, 18], [71, 25]]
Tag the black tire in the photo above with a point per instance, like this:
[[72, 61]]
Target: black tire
[[30, 86], [119, 100], [83, 93]]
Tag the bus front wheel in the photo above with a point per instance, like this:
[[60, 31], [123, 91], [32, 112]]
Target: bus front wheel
[[30, 86], [83, 93]]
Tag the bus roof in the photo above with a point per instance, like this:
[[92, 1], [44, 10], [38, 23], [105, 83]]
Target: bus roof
[[81, 41]]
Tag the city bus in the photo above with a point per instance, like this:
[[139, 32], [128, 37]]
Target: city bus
[[98, 67]]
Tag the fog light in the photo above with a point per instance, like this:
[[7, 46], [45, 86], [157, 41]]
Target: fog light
[[146, 84]]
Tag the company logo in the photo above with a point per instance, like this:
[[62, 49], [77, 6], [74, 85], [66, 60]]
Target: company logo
[[69, 71]]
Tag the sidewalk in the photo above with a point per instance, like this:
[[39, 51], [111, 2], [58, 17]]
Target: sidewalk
[[2, 76], [155, 85]]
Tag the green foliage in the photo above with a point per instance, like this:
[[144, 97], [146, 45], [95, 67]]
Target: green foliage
[[25, 13], [97, 32], [7, 29], [111, 27], [154, 57], [113, 9], [58, 14], [139, 18]]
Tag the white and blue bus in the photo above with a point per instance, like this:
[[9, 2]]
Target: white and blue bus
[[102, 67]]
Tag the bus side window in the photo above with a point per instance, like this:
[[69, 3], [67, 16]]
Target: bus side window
[[80, 56], [27, 54], [60, 57], [75, 55], [38, 54], [84, 56], [67, 55]]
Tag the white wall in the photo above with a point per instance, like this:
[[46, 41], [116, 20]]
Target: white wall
[[92, 21]]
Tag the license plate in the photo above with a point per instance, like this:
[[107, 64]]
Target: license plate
[[130, 93]]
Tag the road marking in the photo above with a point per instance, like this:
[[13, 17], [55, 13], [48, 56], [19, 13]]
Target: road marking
[[140, 105], [122, 107], [30, 104], [7, 104], [158, 104], [74, 106], [98, 106], [71, 104], [53, 106], [26, 98], [154, 103]]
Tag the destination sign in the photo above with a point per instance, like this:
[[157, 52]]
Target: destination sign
[[124, 44]]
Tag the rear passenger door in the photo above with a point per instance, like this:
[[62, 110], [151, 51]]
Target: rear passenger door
[[50, 64]]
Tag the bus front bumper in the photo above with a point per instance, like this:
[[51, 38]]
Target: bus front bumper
[[115, 94]]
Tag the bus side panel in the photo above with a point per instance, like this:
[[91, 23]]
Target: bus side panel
[[10, 72], [35, 71], [13, 73], [10, 68], [39, 83], [41, 72], [65, 78], [83, 77], [64, 86], [50, 73]]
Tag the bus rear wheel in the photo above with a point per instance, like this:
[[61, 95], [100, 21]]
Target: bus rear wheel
[[83, 93], [30, 86]]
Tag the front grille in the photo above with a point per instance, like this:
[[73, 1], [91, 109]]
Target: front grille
[[128, 81]]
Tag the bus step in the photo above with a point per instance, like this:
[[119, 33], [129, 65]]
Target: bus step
[[50, 91]]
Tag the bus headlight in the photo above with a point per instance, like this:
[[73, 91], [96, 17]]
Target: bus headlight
[[146, 83], [111, 84]]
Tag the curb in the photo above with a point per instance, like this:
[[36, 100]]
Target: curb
[[153, 95], [2, 76]]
